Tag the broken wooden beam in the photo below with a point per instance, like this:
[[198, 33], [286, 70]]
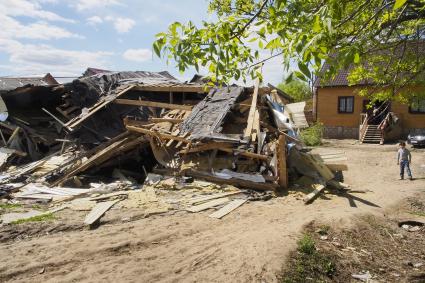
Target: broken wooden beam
[[253, 108], [282, 170], [318, 188], [152, 104], [245, 153], [205, 147], [156, 134], [171, 120]]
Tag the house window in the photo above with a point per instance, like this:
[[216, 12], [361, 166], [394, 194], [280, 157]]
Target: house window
[[417, 106], [345, 104]]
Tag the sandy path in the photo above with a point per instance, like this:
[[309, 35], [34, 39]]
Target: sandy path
[[250, 244]]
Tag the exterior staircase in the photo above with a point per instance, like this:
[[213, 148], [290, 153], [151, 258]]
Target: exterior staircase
[[371, 135]]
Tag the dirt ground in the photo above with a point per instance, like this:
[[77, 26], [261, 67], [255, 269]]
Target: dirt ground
[[250, 244], [377, 246]]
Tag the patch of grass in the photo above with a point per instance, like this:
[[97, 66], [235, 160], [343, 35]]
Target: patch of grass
[[309, 264], [312, 136], [418, 213], [38, 218], [10, 206], [306, 245], [38, 207]]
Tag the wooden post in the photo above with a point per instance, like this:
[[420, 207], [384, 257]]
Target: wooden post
[[281, 162], [252, 109], [171, 98]]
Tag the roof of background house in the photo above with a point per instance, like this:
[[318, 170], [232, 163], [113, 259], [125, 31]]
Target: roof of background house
[[341, 78], [12, 83]]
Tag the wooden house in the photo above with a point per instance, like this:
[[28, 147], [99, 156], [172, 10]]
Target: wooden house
[[345, 114]]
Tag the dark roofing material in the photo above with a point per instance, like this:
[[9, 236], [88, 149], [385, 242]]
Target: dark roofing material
[[416, 48], [9, 83], [340, 79]]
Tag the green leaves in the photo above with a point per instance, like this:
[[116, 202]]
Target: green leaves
[[398, 4], [342, 33], [304, 69]]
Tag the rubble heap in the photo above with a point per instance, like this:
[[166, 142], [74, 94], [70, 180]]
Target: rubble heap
[[114, 131]]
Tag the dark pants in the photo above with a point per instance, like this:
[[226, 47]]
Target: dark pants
[[405, 164]]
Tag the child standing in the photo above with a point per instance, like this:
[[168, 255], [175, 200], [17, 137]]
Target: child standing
[[404, 158]]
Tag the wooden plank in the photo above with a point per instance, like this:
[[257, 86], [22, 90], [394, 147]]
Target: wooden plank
[[256, 126], [318, 188], [35, 196], [228, 208], [245, 153], [253, 108], [206, 146], [207, 205], [174, 133], [210, 197], [282, 170], [98, 211], [93, 159], [14, 134], [171, 120], [57, 119], [156, 134], [320, 167], [152, 104]]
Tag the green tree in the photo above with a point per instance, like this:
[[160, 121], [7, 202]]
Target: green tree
[[297, 89], [380, 40]]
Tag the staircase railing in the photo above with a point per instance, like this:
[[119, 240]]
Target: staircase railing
[[381, 128], [363, 127]]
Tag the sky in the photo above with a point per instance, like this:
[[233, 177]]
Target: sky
[[64, 37]]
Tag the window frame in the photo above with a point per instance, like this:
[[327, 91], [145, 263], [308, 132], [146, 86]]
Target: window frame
[[416, 111], [340, 98]]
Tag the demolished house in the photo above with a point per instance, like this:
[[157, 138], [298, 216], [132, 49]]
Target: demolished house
[[110, 132]]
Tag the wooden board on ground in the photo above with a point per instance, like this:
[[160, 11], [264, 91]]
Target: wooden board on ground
[[210, 197], [318, 188], [98, 211], [228, 208], [207, 205]]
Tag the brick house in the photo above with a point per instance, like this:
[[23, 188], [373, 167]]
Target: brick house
[[344, 113]]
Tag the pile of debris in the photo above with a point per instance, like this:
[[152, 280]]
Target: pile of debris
[[114, 132]]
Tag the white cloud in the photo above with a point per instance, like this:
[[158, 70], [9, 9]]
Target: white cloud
[[91, 4], [123, 25], [12, 28], [27, 59], [29, 9], [94, 20], [139, 55]]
